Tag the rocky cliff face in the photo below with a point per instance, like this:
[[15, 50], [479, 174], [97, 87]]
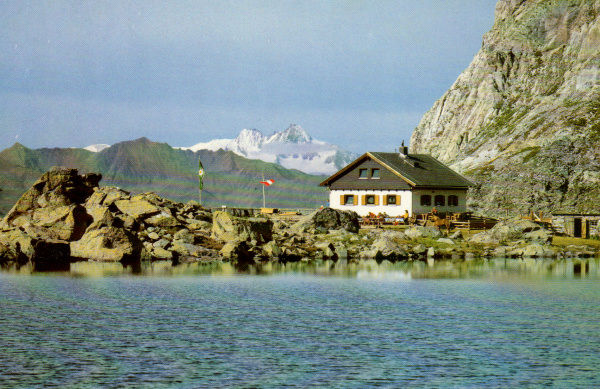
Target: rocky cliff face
[[523, 120]]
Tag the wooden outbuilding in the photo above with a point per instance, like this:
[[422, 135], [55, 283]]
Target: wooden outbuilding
[[576, 225]]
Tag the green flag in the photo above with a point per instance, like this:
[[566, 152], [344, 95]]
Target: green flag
[[200, 173]]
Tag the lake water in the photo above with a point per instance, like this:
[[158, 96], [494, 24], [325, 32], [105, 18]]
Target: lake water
[[496, 323]]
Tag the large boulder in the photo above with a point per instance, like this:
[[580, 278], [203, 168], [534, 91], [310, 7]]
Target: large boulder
[[514, 230], [237, 250], [108, 244], [55, 189], [137, 208], [329, 219], [226, 227], [415, 232], [388, 249], [17, 246]]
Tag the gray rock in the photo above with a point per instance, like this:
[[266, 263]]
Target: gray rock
[[184, 235], [108, 244], [137, 208], [511, 231], [271, 249], [237, 250], [456, 236], [162, 243], [387, 248], [227, 227], [153, 235], [415, 232], [446, 241], [341, 251], [187, 249], [537, 250], [393, 234], [419, 249], [327, 248], [329, 219], [162, 254]]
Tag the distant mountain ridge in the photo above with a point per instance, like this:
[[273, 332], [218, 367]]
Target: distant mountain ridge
[[145, 166], [293, 148]]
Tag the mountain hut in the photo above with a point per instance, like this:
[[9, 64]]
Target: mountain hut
[[395, 183]]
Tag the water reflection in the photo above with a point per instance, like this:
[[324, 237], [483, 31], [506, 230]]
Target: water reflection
[[482, 268]]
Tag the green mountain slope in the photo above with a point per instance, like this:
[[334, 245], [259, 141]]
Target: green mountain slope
[[142, 166]]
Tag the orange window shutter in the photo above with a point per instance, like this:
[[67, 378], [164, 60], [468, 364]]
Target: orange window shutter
[[342, 202], [364, 200], [398, 200], [385, 198], [376, 200], [355, 199]]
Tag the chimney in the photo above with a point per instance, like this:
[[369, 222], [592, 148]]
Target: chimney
[[403, 150]]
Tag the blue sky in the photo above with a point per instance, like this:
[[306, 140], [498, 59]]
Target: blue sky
[[355, 73]]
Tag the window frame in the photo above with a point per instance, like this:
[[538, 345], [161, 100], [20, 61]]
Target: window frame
[[437, 202], [369, 196], [425, 203], [392, 196], [453, 201], [373, 170], [360, 174], [349, 199]]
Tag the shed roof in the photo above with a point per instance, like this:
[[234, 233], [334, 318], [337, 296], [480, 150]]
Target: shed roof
[[418, 170]]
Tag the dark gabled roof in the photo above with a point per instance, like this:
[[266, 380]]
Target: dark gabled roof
[[418, 170]]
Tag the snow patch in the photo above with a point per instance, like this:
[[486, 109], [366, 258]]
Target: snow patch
[[96, 148]]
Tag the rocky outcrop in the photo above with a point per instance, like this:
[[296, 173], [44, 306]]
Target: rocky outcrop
[[523, 120], [226, 227], [514, 231], [327, 219], [112, 225], [66, 217]]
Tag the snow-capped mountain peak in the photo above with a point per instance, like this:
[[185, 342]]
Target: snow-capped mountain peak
[[293, 134], [247, 141], [293, 148]]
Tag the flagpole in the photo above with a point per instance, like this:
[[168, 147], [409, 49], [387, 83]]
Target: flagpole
[[263, 178], [200, 177]]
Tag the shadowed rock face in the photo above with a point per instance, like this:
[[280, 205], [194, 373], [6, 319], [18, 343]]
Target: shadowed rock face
[[523, 120]]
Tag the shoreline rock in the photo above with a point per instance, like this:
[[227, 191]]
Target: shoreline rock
[[66, 218]]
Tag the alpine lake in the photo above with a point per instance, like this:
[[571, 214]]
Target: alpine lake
[[481, 323]]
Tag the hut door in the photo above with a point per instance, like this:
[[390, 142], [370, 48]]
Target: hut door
[[577, 227], [584, 228]]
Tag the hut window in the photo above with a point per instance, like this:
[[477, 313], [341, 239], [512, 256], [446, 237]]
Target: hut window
[[374, 173], [392, 200], [440, 201], [349, 200], [426, 200], [453, 201], [370, 200], [362, 173]]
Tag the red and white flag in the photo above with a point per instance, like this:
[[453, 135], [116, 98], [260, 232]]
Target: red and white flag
[[267, 182]]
